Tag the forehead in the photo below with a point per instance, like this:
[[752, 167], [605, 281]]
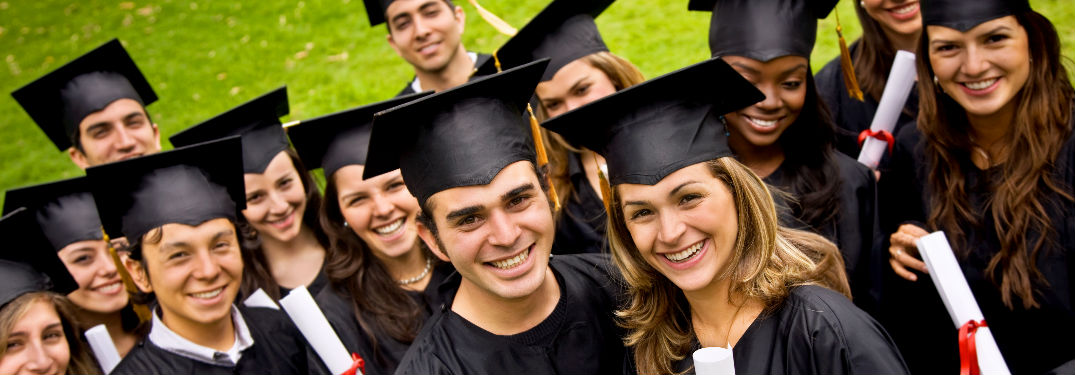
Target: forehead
[[568, 75], [775, 66], [178, 232], [942, 32], [115, 111], [514, 175], [349, 178], [693, 173], [409, 6]]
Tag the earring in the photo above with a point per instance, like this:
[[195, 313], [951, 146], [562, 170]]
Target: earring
[[725, 122], [862, 4], [345, 224], [936, 82]]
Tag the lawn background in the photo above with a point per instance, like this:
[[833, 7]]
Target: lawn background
[[204, 57]]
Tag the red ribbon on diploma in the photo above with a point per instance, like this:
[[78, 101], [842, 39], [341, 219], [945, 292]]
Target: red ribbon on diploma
[[358, 365], [881, 135], [968, 354]]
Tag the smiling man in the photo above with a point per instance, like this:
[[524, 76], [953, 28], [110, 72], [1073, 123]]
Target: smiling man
[[468, 156], [93, 108], [428, 34]]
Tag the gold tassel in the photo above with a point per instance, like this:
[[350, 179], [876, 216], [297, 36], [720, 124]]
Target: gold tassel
[[496, 62], [542, 156], [141, 310], [850, 80], [606, 188], [494, 21]]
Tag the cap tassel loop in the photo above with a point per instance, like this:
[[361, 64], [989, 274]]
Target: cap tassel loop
[[128, 283], [606, 188], [850, 81], [494, 21], [542, 156]]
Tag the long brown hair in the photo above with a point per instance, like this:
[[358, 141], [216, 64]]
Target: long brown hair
[[81, 362], [378, 302], [623, 74], [873, 59], [1019, 198], [767, 261]]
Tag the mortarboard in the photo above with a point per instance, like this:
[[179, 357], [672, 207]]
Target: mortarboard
[[25, 264], [256, 121], [187, 185], [59, 101], [655, 128], [375, 10], [763, 30], [340, 139], [64, 210], [564, 32], [965, 15], [459, 137]]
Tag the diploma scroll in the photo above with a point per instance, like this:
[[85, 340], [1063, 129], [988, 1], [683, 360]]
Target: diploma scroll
[[714, 361], [103, 347], [302, 309], [260, 299], [959, 301], [901, 80]]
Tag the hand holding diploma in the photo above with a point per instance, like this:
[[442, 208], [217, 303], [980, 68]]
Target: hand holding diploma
[[879, 137], [302, 309]]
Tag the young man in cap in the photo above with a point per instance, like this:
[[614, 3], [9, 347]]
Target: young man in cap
[[428, 34], [94, 107], [468, 156]]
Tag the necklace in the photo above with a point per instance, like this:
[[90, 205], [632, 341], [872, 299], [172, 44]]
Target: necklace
[[429, 266]]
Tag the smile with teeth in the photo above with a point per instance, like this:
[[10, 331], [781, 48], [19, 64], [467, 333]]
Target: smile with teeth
[[762, 123], [390, 228], [209, 294], [980, 85], [110, 288], [283, 222], [905, 9], [512, 262], [685, 254]]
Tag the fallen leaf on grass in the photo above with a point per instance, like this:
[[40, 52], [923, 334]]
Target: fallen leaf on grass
[[126, 5]]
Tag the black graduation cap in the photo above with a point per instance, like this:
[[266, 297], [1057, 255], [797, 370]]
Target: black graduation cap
[[965, 15], [459, 137], [564, 31], [187, 185], [64, 210], [257, 121], [655, 128], [59, 101], [340, 139], [375, 10], [26, 265], [763, 29]]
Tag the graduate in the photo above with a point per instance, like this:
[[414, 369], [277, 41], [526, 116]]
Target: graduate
[[67, 215], [179, 210], [280, 218], [787, 139], [887, 26], [992, 164], [38, 328], [468, 156], [581, 69], [93, 108], [696, 235], [428, 35], [383, 280]]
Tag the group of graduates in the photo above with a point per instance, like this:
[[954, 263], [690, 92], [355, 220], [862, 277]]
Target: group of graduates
[[545, 209]]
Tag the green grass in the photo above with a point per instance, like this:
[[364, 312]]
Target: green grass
[[203, 57]]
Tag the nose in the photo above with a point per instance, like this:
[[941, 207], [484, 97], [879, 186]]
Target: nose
[[421, 30], [106, 266], [504, 230], [38, 361], [125, 141], [205, 266], [278, 205], [772, 101], [976, 63], [382, 207], [672, 228]]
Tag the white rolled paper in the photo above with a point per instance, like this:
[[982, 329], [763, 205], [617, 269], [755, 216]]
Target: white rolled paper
[[260, 299], [714, 361], [958, 300], [103, 347], [901, 80], [302, 309]]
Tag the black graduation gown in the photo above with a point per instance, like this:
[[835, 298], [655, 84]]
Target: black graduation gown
[[1032, 341], [579, 337], [319, 283], [856, 230], [852, 116], [278, 348], [407, 90], [814, 331], [581, 227], [336, 304]]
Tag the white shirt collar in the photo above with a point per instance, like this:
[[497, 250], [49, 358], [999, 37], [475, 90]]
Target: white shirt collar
[[416, 85], [170, 341]]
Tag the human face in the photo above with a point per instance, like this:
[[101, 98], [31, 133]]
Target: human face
[[100, 287], [498, 236], [900, 17], [684, 226], [380, 210], [36, 344], [984, 68], [120, 131], [426, 33], [276, 200], [573, 86], [783, 81], [194, 271]]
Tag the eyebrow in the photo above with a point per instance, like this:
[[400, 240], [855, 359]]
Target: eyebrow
[[132, 116], [465, 211], [792, 70], [749, 69], [216, 236], [673, 192], [517, 191]]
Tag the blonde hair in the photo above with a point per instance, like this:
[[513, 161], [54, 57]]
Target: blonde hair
[[10, 314], [767, 261]]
